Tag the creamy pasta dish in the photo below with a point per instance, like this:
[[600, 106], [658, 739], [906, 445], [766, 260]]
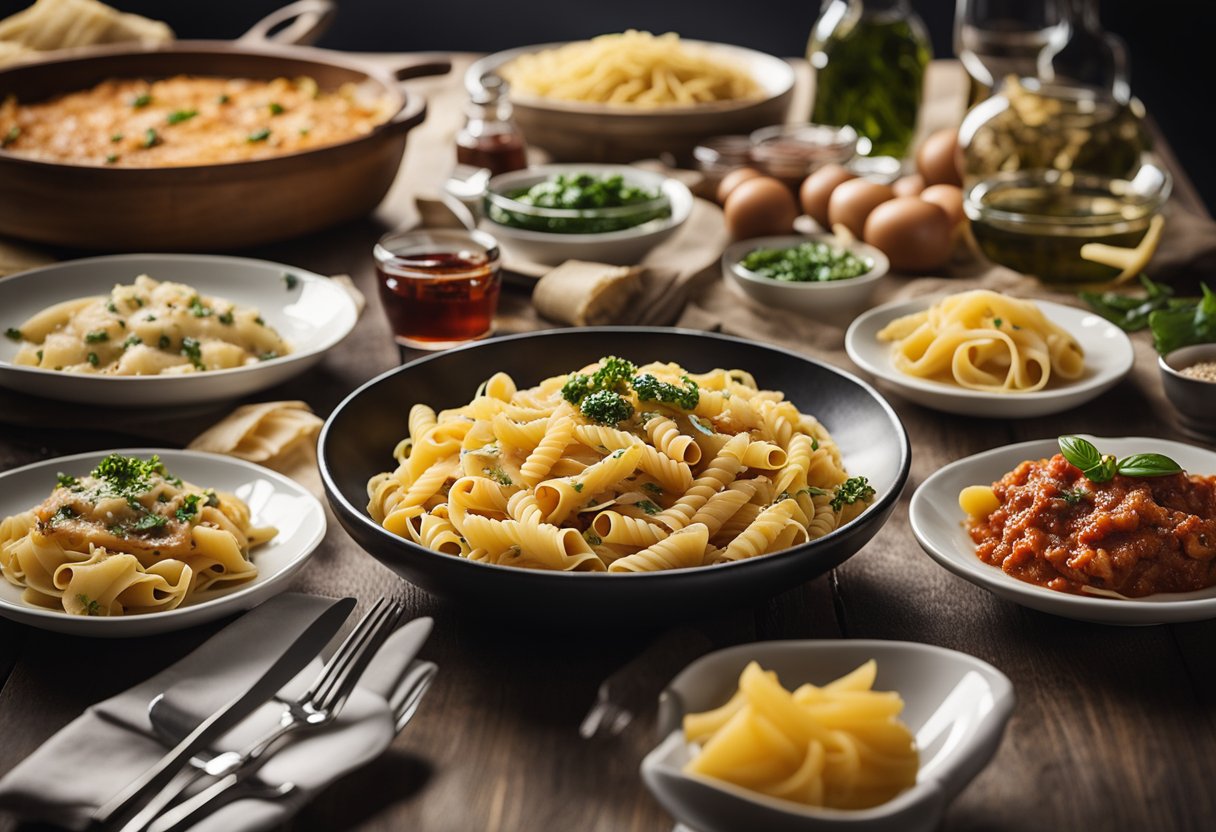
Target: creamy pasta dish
[[635, 69], [146, 328], [127, 538], [617, 468], [986, 341], [187, 120], [842, 745]]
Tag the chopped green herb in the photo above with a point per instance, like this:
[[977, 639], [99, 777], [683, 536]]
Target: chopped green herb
[[276, 109], [151, 138], [498, 475], [93, 359], [11, 136], [116, 138], [141, 101], [128, 475], [178, 116], [193, 350], [132, 340], [225, 318], [110, 307], [592, 538], [809, 262], [223, 99], [189, 508], [91, 605], [850, 491], [290, 280], [267, 356], [96, 336], [39, 354], [163, 342], [259, 321], [63, 513], [578, 487], [12, 333], [111, 158], [149, 522], [648, 507], [65, 480], [259, 135], [653, 487], [213, 499], [1075, 495], [996, 322], [304, 131], [199, 309]]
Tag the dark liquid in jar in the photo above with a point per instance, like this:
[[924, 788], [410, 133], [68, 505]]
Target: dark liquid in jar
[[500, 152], [438, 297]]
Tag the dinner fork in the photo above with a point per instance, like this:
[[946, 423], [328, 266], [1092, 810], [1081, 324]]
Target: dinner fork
[[317, 706], [245, 783]]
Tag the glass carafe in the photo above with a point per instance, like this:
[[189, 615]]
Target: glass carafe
[[870, 58], [998, 38]]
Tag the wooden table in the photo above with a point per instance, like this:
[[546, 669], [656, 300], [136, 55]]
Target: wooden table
[[1115, 728]]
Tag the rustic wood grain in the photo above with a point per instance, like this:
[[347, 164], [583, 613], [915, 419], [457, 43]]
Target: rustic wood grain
[[1114, 728]]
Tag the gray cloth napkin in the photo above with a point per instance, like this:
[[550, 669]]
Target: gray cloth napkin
[[112, 743]]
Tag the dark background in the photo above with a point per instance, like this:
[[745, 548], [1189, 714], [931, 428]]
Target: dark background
[[1171, 43]]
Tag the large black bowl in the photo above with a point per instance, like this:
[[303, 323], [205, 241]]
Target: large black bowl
[[358, 440]]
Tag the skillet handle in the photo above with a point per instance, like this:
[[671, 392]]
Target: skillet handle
[[410, 115], [299, 23], [420, 66]]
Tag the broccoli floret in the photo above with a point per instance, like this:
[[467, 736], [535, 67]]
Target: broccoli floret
[[576, 388], [614, 374], [606, 407], [650, 389], [850, 491]]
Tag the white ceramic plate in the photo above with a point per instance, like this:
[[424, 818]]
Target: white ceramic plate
[[937, 521], [273, 499], [1108, 358], [955, 704], [312, 317]]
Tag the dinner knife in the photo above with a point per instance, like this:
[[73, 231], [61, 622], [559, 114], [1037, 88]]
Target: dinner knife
[[302, 650]]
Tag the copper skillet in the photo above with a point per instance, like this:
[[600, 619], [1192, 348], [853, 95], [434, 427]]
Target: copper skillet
[[218, 206]]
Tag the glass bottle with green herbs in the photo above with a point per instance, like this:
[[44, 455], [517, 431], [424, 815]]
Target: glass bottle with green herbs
[[870, 58]]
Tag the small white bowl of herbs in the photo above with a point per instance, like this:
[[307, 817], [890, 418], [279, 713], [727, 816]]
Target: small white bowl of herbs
[[819, 275]]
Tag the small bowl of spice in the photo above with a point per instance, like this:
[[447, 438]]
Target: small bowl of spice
[[1188, 375], [818, 275]]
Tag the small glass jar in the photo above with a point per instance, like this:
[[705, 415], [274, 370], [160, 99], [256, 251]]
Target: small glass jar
[[791, 152], [439, 288], [490, 138]]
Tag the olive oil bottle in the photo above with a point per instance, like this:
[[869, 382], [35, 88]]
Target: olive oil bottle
[[870, 58]]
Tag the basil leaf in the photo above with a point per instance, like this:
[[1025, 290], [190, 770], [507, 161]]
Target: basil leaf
[[1147, 465], [1080, 452]]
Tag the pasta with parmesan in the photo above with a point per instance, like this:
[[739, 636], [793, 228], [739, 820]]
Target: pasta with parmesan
[[128, 538], [983, 340], [840, 746], [146, 328], [616, 468]]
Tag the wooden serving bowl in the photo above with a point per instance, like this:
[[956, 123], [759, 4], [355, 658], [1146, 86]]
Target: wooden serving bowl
[[214, 206], [576, 132]]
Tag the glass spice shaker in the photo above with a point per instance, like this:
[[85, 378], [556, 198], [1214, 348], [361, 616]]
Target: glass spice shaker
[[490, 138], [870, 58]]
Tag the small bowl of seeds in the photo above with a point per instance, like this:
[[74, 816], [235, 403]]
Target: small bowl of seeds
[[1189, 378]]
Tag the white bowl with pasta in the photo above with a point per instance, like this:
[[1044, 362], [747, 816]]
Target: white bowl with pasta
[[1106, 354], [307, 311], [570, 129], [275, 503], [955, 706]]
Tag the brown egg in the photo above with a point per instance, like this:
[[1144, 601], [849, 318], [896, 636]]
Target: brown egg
[[817, 189], [947, 197], [936, 158], [909, 185], [853, 201], [914, 234], [733, 180], [760, 207]]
